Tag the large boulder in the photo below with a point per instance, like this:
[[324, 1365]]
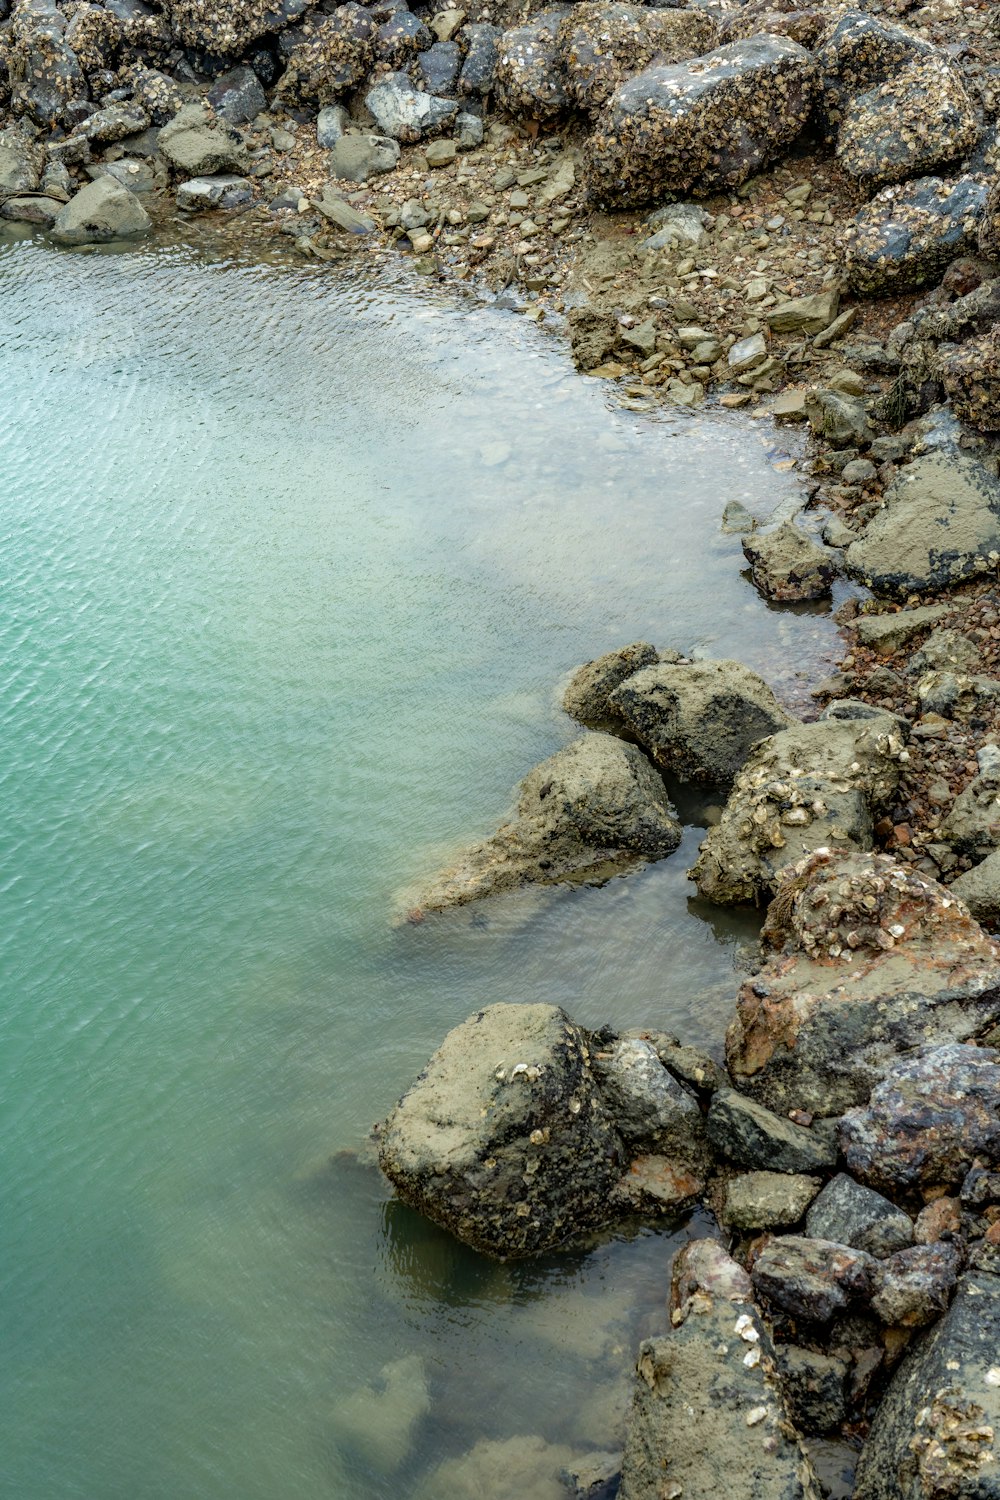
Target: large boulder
[[603, 42], [699, 720], [812, 786], [856, 52], [933, 1434], [703, 126], [589, 811], [971, 375], [878, 960], [908, 235], [810, 1278], [587, 694], [228, 29], [505, 1139], [939, 526], [915, 122], [45, 72], [99, 213], [482, 52], [530, 75], [198, 146], [708, 1417], [335, 55]]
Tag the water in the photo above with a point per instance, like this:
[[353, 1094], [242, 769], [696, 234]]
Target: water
[[292, 564]]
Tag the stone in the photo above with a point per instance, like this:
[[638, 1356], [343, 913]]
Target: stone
[[790, 406], [403, 112], [812, 786], [482, 52], [99, 213], [979, 888], [787, 564], [946, 649], [20, 165], [806, 314], [699, 720], [736, 519], [237, 96], [331, 124], [439, 67], [753, 1136], [913, 1287], [811, 1279], [938, 526], [908, 235], [932, 1435], [113, 123], [516, 1468], [849, 1214], [378, 1423], [223, 191], [441, 153], [838, 419], [588, 692], [229, 29], [597, 1476], [855, 52], [971, 376], [342, 214], [703, 1268], [159, 95], [939, 1220], [504, 1139], [400, 38], [137, 176], [469, 131], [653, 1113], [446, 23], [814, 1386], [746, 354], [928, 1119], [676, 225], [886, 633], [658, 1184], [591, 810], [704, 126], [198, 148], [913, 123], [530, 75], [604, 42], [911, 969], [35, 210], [46, 77], [768, 1200], [355, 158], [335, 55]]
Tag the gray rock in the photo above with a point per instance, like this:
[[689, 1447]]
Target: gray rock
[[335, 55], [468, 131], [340, 213], [113, 123], [768, 1200], [331, 123], [929, 1118], [814, 1387], [907, 236], [932, 1436], [746, 354], [588, 812], [482, 51], [736, 519], [530, 77], [753, 1136], [915, 122], [841, 421], [199, 148], [886, 633], [938, 526], [677, 225], [850, 1214], [440, 66], [237, 96], [226, 29], [788, 564], [402, 111], [34, 210], [704, 126], [99, 213], [355, 158], [587, 695], [806, 314], [441, 153], [699, 720], [979, 888], [401, 38], [137, 176], [603, 42], [816, 1034], [914, 1286], [653, 1113], [811, 1279], [223, 191], [20, 165], [504, 1139]]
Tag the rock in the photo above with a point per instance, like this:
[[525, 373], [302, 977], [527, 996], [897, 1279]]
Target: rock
[[814, 1387], [914, 1286], [439, 67], [111, 124], [907, 236], [676, 225], [809, 787], [736, 519], [227, 30], [401, 38], [137, 176], [917, 121], [517, 1468], [746, 354], [504, 1139], [587, 695], [658, 1184], [340, 213], [979, 888], [699, 720], [597, 1476], [469, 131], [157, 94], [237, 96], [790, 406], [331, 124], [45, 72], [849, 1214], [811, 1279], [441, 153], [35, 210], [482, 52], [787, 564], [198, 148], [378, 1423], [704, 126], [939, 1220], [932, 1436], [335, 55], [755, 1137], [937, 527], [886, 633], [587, 812], [839, 420], [354, 158], [403, 112], [20, 165], [530, 77], [946, 649], [911, 969], [603, 42], [808, 314], [653, 1113], [224, 191], [929, 1118], [704, 1268], [971, 375], [99, 213], [707, 1416], [447, 23], [768, 1200], [857, 51]]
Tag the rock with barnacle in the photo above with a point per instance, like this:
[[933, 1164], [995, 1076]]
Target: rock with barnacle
[[530, 77], [876, 961], [603, 42]]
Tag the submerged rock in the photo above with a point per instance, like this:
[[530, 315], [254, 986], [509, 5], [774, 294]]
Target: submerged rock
[[787, 564], [99, 213], [379, 1421], [517, 1468]]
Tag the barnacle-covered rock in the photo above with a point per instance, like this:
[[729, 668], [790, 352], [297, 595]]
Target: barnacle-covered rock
[[335, 56], [406, 113], [482, 51], [971, 374], [603, 42], [908, 235], [877, 960], [530, 76], [917, 121], [400, 38], [856, 52], [229, 27], [701, 126], [46, 76], [155, 92]]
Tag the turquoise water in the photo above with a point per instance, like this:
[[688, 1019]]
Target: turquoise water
[[292, 565]]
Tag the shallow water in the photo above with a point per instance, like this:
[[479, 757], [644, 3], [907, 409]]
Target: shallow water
[[292, 566]]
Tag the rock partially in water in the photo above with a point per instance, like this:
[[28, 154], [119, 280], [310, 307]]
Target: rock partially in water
[[654, 1113], [99, 213], [588, 692], [43, 211], [787, 564], [814, 1386], [878, 960], [848, 1213], [517, 1468], [224, 191], [812, 1279], [933, 1435], [379, 1422], [907, 236]]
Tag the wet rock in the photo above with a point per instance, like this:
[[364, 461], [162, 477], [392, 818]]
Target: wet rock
[[914, 1286], [355, 158], [589, 811], [929, 1118], [197, 147], [840, 420], [768, 1200], [915, 122], [753, 1136], [224, 191], [342, 214], [849, 1214], [704, 1268], [704, 126], [35, 210], [517, 1468], [482, 52], [403, 112], [907, 236], [228, 29], [379, 1422], [809, 314], [530, 76], [708, 1416], [938, 526], [595, 1477], [237, 96], [971, 375], [809, 787], [603, 42], [933, 1434], [440, 66], [787, 564], [99, 213], [331, 123], [653, 1113], [20, 165], [335, 55], [657, 1184], [504, 1138], [701, 719], [814, 1386], [811, 1279], [111, 124], [137, 176], [979, 888], [878, 960]]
